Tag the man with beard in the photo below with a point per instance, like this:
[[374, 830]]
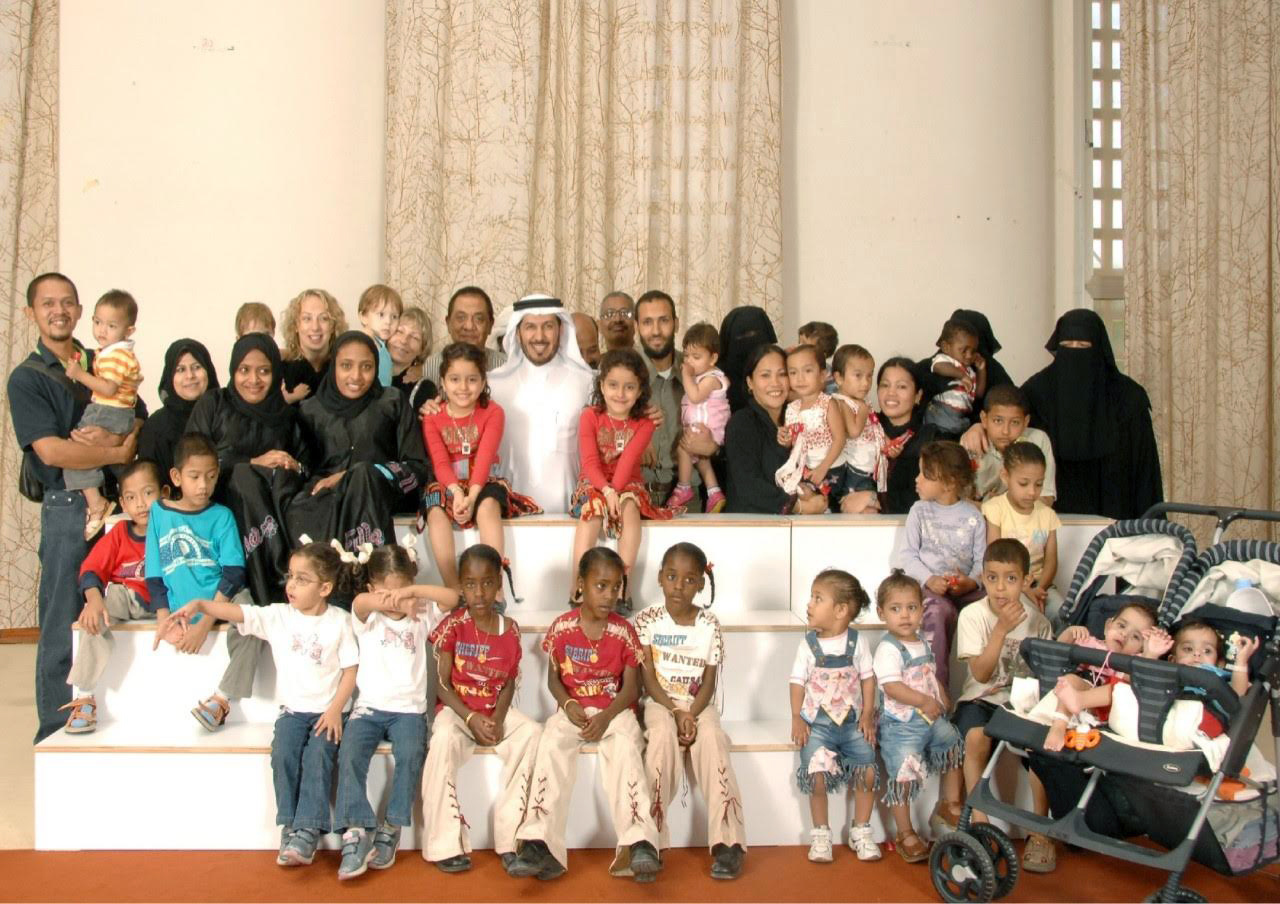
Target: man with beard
[[46, 406], [469, 318], [617, 321], [542, 388], [588, 339]]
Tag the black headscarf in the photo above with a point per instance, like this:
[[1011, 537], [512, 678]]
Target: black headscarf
[[740, 332], [273, 407], [1075, 397], [331, 398], [168, 395]]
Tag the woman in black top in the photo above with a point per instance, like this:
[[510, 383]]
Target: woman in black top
[[309, 325], [260, 458], [366, 446], [901, 416], [742, 331], [752, 451], [188, 374], [1099, 422], [988, 345]]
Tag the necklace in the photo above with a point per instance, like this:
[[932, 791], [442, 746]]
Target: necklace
[[464, 432], [484, 637], [594, 645], [619, 434]]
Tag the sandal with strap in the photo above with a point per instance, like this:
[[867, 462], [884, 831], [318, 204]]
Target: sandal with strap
[[83, 717], [96, 522], [912, 853], [1040, 855], [945, 818], [211, 713]]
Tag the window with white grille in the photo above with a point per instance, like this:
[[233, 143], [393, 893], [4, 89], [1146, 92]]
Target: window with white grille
[[1107, 214]]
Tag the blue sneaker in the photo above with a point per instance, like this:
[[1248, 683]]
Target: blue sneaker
[[386, 841], [357, 850], [301, 849], [285, 834]]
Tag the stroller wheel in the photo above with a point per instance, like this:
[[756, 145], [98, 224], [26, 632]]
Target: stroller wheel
[[1004, 858], [961, 868], [1184, 895]]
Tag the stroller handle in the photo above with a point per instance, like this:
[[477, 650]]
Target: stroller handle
[[1225, 514]]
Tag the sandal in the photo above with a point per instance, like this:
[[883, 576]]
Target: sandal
[[945, 818], [96, 522], [1040, 855], [912, 853], [83, 717], [211, 713]]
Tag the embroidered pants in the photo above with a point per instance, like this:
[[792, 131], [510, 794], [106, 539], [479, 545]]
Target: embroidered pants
[[712, 770], [451, 746], [621, 766]]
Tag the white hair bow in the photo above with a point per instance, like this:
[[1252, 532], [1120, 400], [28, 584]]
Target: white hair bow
[[305, 539], [409, 542], [360, 557]]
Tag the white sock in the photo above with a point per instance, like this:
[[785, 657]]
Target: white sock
[[712, 489], [78, 692]]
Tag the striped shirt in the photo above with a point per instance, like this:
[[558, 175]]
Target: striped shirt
[[117, 363]]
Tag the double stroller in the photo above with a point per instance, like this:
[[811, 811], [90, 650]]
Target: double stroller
[[1212, 801]]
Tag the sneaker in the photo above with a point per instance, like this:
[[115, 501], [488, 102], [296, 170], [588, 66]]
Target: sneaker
[[716, 502], [535, 862], [645, 864], [285, 834], [680, 496], [357, 850], [820, 845], [301, 849], [386, 841], [862, 843], [728, 861]]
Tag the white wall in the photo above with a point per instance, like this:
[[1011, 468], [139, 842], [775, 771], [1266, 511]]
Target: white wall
[[918, 168], [214, 154]]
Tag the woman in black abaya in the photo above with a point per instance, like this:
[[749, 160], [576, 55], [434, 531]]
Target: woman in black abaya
[[741, 331], [367, 449], [988, 346], [188, 374], [1099, 422], [260, 458]]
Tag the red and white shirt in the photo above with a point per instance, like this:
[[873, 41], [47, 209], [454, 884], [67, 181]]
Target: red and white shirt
[[483, 662], [592, 670]]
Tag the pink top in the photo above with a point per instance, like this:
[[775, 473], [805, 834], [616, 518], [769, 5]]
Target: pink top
[[479, 433], [610, 450]]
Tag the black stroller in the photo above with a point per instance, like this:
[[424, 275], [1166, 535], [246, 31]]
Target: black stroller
[[1119, 789]]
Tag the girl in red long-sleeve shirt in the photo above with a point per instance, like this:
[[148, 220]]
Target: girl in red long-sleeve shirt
[[462, 439], [613, 434]]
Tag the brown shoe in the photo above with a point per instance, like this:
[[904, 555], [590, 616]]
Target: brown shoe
[[910, 847], [1040, 855]]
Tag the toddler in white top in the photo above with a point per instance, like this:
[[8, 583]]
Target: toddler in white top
[[705, 402], [866, 467]]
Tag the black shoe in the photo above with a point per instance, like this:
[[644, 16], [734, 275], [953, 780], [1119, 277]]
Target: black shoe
[[535, 862], [508, 859], [728, 861], [645, 864], [458, 864]]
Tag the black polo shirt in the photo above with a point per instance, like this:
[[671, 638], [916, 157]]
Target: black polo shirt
[[43, 407]]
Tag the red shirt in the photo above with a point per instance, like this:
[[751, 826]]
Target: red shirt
[[591, 671], [599, 439], [483, 663], [117, 559], [480, 432]]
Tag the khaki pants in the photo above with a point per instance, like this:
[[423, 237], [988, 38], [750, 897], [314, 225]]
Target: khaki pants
[[451, 746], [244, 651], [94, 650], [712, 770], [621, 768]]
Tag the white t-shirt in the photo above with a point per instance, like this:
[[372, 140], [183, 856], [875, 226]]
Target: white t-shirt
[[310, 652], [394, 660], [832, 646], [681, 653], [974, 628], [888, 659]]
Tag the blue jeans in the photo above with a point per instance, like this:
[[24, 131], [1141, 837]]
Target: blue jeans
[[58, 602], [366, 728], [914, 750], [302, 771], [853, 753]]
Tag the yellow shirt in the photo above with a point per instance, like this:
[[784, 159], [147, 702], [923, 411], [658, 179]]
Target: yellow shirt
[[1032, 530]]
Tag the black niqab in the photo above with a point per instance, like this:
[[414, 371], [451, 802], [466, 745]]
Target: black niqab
[[740, 332]]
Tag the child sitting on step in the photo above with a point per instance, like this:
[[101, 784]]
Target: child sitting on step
[[391, 620], [833, 712], [315, 653], [114, 589]]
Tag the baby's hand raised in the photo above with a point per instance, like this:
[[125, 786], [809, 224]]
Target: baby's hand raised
[[1246, 646], [1074, 635], [1156, 643]]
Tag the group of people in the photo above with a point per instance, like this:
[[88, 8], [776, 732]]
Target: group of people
[[287, 480]]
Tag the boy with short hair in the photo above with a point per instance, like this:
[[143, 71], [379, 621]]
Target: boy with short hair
[[114, 589], [114, 382], [380, 308], [988, 636], [194, 552], [255, 317], [1005, 419]]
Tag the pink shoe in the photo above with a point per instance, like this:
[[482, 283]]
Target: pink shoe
[[679, 496], [715, 502]]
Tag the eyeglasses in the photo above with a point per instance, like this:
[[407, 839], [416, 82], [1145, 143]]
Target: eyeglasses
[[300, 579], [615, 313]]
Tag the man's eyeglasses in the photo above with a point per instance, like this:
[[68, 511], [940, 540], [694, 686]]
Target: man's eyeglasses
[[616, 313]]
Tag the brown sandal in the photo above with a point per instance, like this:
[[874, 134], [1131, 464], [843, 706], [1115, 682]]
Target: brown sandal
[[211, 713], [1040, 855], [945, 818], [83, 717], [912, 853]]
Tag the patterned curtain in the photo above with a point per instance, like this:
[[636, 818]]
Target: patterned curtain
[[577, 148], [1201, 120], [29, 210]]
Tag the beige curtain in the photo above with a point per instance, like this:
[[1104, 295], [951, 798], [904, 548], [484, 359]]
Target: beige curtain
[[581, 147], [1201, 120], [29, 215]]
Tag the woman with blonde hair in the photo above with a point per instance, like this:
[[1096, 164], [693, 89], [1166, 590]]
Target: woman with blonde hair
[[408, 346], [309, 327]]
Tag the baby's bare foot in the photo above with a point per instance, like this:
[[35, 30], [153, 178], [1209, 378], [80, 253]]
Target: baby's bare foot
[[1056, 739], [1068, 696]]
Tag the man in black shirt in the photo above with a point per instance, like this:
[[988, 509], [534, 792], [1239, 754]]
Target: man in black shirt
[[46, 406]]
